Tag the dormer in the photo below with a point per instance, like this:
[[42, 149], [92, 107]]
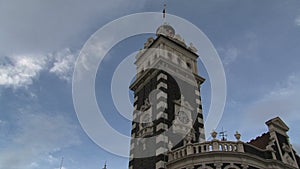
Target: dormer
[[277, 125]]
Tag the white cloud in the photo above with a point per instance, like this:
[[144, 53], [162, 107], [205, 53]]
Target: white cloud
[[52, 160], [34, 165], [229, 55], [63, 64], [20, 71], [245, 47], [36, 136], [282, 100], [61, 168]]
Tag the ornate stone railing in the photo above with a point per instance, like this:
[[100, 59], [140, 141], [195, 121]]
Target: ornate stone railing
[[211, 146]]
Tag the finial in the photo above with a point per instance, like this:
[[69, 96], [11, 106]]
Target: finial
[[214, 134], [237, 135], [192, 48], [164, 10], [170, 145], [104, 165]]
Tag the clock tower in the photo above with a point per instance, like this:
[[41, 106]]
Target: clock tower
[[167, 104]]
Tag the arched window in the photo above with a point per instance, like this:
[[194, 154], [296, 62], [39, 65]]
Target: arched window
[[189, 65]]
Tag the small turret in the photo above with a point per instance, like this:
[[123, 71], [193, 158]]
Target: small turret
[[166, 30]]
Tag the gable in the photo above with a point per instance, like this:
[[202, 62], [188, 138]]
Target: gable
[[277, 123]]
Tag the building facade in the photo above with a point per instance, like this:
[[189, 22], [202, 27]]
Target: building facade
[[168, 127], [271, 150]]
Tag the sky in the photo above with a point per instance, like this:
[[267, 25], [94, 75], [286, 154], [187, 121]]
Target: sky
[[257, 41]]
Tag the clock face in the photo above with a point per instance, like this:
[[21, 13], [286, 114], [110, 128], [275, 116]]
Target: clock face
[[183, 117]]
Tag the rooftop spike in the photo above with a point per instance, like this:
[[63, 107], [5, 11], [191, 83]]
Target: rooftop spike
[[164, 11], [104, 165]]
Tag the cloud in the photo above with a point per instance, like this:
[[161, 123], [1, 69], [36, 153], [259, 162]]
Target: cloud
[[242, 47], [229, 55], [63, 64], [20, 71], [34, 165], [282, 100], [36, 136], [47, 26]]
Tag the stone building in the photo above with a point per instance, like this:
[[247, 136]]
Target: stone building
[[168, 128]]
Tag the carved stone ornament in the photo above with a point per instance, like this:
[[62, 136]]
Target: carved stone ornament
[[214, 134], [288, 159], [270, 148], [192, 48], [148, 43], [170, 146], [190, 136], [286, 148], [146, 105], [237, 135]]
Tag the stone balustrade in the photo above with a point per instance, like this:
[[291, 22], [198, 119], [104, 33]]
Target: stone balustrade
[[210, 146]]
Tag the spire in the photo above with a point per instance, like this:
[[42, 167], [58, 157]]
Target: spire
[[164, 10], [104, 165]]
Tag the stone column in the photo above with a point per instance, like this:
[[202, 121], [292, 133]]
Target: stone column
[[189, 149]]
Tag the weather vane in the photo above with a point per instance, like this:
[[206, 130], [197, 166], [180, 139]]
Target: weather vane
[[164, 10], [223, 135]]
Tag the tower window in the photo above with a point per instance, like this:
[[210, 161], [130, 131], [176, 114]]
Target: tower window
[[188, 65]]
